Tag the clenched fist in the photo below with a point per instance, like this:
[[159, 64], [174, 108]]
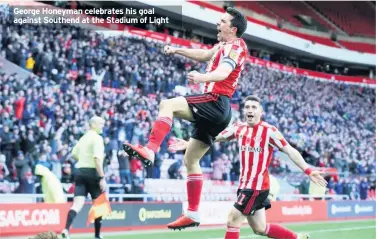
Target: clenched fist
[[169, 50]]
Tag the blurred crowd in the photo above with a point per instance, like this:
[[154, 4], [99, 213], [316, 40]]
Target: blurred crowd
[[44, 115]]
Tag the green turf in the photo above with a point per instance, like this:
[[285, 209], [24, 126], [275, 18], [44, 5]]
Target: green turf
[[331, 230]]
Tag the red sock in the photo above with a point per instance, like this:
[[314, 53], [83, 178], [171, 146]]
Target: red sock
[[160, 129], [232, 233], [278, 232], [194, 191]]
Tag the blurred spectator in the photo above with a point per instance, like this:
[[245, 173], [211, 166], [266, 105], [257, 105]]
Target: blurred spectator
[[364, 187], [3, 166], [304, 186], [27, 183], [174, 170], [22, 165], [124, 167], [4, 185], [67, 174], [218, 169], [43, 161], [339, 188]]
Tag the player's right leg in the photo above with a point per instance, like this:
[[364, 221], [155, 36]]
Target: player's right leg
[[235, 220], [194, 152], [260, 227], [176, 107]]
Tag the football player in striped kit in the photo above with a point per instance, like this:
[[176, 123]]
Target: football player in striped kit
[[257, 141]]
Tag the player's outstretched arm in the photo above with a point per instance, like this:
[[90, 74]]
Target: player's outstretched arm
[[296, 157], [194, 54]]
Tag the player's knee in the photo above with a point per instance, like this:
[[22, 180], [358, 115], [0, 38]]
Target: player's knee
[[259, 229], [164, 104], [191, 163], [233, 220]]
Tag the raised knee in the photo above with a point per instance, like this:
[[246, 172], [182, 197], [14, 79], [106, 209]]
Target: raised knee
[[164, 103]]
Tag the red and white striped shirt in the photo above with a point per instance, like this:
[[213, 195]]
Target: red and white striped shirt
[[256, 145], [234, 53]]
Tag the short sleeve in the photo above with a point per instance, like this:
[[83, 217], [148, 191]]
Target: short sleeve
[[99, 148], [277, 139], [234, 55]]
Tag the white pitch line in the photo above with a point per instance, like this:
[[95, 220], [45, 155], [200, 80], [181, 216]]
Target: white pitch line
[[316, 231]]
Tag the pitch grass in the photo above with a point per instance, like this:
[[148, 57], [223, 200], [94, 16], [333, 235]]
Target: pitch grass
[[365, 229]]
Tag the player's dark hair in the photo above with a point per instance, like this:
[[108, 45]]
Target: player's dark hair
[[239, 21], [46, 235], [253, 98]]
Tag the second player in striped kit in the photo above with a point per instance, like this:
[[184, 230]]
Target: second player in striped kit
[[257, 141]]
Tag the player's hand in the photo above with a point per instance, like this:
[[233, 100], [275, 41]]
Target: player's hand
[[103, 184], [195, 77], [169, 50], [178, 145], [318, 179]]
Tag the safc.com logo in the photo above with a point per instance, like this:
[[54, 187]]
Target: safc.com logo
[[26, 217]]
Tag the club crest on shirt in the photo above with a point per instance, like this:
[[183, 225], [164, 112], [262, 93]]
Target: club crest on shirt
[[234, 55]]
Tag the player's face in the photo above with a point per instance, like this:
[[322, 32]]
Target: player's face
[[99, 127], [224, 30], [253, 112]]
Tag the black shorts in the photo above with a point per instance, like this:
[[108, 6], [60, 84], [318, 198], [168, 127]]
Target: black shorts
[[87, 181], [249, 201], [212, 114]]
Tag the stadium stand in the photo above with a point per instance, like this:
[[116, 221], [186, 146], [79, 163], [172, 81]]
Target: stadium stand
[[362, 20], [289, 11], [359, 46], [315, 39], [258, 8], [353, 17], [44, 115]]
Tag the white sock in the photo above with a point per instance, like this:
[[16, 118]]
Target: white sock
[[194, 215]]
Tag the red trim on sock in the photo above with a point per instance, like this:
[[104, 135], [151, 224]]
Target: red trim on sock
[[232, 233], [194, 191]]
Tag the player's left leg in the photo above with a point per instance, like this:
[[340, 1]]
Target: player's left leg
[[194, 152], [260, 227], [176, 107]]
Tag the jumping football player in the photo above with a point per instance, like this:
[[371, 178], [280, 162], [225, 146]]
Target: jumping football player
[[210, 112]]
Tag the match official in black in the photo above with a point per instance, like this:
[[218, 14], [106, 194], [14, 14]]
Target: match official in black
[[89, 177]]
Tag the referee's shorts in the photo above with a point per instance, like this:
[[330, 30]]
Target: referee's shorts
[[87, 181]]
